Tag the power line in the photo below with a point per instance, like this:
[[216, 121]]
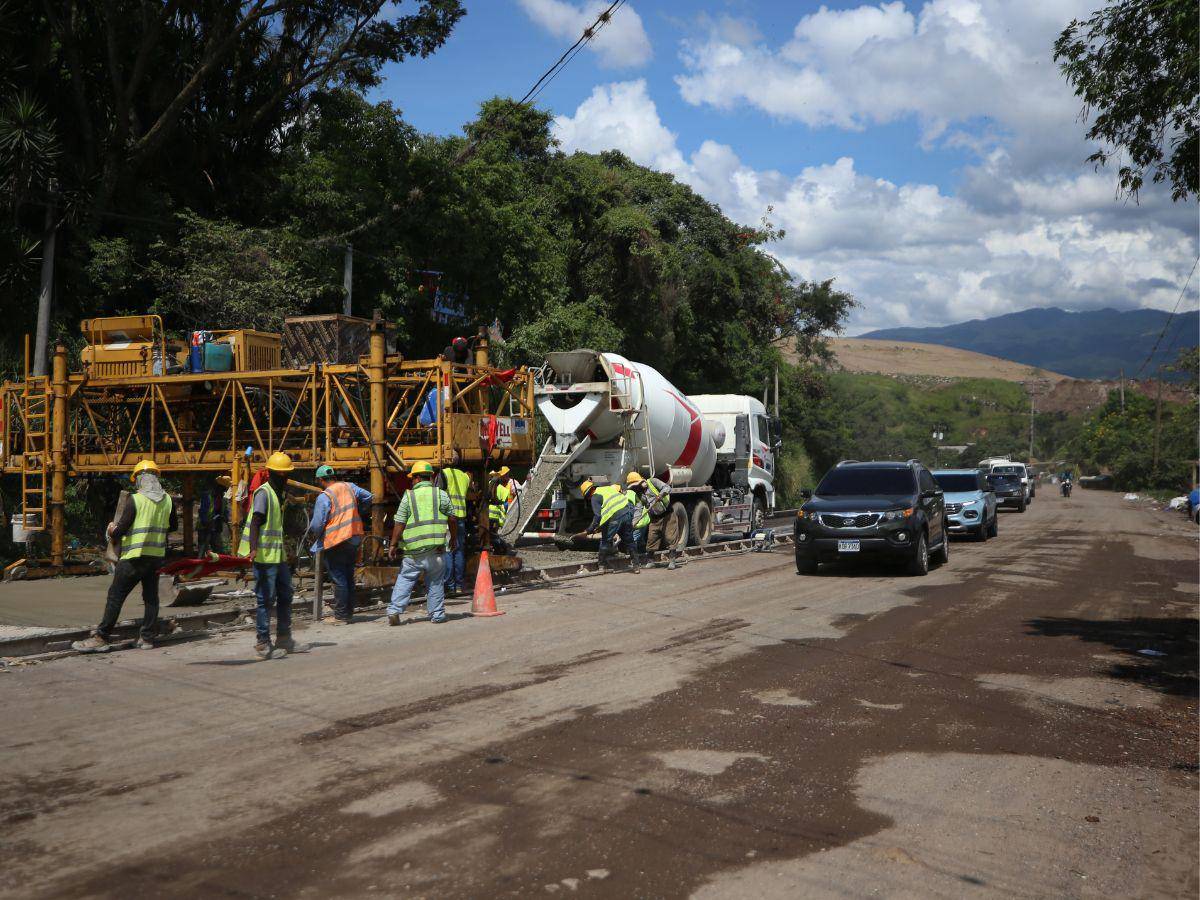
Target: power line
[[1167, 324], [572, 51]]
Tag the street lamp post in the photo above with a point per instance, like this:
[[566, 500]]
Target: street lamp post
[[939, 435]]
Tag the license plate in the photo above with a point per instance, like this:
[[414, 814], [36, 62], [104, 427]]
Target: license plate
[[848, 546]]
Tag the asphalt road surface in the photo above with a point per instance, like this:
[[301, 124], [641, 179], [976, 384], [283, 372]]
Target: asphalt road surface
[[728, 730]]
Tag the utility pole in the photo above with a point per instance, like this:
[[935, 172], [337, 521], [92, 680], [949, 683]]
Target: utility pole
[[1157, 423], [46, 295], [1032, 395], [348, 279], [1122, 392]]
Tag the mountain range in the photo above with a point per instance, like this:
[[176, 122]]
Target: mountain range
[[1093, 344]]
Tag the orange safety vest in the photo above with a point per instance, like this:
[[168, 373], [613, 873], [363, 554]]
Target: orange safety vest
[[344, 522]]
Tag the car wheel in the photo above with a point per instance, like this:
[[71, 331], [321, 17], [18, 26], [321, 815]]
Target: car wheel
[[918, 564], [805, 566], [994, 528], [941, 556], [1021, 506], [982, 534]]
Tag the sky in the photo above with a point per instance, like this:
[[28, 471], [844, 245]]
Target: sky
[[929, 157]]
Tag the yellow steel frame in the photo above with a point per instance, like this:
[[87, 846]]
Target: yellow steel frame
[[360, 418]]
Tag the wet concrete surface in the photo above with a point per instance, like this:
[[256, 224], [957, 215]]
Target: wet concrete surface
[[729, 730]]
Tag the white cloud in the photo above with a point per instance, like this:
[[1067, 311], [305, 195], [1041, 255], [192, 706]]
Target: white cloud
[[620, 44], [974, 73], [909, 252]]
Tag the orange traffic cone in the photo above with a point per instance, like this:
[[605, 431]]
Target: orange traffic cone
[[483, 603]]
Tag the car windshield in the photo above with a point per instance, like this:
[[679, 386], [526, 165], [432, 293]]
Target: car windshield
[[957, 483], [998, 479], [1006, 470], [865, 482]]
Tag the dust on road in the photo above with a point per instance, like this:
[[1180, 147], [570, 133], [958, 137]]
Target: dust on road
[[733, 731]]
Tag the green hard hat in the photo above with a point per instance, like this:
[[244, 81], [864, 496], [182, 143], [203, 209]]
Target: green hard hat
[[325, 472]]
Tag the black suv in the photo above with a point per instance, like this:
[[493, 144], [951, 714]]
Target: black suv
[[882, 509]]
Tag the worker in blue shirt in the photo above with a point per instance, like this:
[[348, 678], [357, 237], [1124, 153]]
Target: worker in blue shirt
[[337, 526]]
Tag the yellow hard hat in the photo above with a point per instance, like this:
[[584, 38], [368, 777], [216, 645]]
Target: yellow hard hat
[[146, 465], [500, 473], [421, 468], [585, 487], [280, 462], [633, 478]]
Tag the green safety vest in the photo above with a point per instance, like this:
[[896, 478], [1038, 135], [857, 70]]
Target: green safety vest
[[270, 534], [498, 508], [151, 521], [613, 500], [456, 487], [427, 528], [655, 494]]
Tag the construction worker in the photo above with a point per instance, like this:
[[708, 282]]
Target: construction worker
[[262, 541], [425, 522], [612, 511], [456, 483], [458, 352], [337, 525], [142, 528], [651, 516], [498, 503]]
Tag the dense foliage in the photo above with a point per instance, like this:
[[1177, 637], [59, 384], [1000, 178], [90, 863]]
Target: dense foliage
[[881, 417], [1122, 442], [1136, 63]]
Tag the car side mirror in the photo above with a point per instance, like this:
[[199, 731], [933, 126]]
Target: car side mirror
[[929, 495], [805, 494]]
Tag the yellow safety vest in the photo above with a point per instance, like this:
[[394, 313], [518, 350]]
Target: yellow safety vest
[[498, 508], [645, 519], [148, 535], [270, 534], [613, 500], [457, 483], [427, 527]]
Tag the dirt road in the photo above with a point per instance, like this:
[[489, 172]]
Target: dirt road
[[729, 730]]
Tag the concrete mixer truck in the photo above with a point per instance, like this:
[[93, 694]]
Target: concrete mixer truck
[[610, 416]]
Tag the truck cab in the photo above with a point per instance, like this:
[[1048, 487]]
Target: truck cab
[[746, 455]]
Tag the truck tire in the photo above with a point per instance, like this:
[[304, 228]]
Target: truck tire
[[701, 529], [677, 526]]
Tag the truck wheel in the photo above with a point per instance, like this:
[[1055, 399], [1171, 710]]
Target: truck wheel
[[677, 526], [701, 524], [807, 566]]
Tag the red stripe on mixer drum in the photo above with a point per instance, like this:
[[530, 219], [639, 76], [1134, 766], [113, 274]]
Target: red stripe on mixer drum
[[695, 432]]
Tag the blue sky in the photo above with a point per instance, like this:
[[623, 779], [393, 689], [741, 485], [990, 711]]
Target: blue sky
[[926, 155]]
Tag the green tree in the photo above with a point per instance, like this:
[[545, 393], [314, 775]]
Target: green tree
[[1136, 63]]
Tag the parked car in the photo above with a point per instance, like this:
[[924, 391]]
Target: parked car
[[1015, 468], [1008, 489], [892, 510], [970, 502]]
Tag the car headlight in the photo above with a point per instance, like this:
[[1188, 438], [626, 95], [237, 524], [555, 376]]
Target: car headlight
[[893, 515]]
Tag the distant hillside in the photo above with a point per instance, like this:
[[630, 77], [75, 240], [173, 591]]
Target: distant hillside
[[1094, 344], [906, 358]]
